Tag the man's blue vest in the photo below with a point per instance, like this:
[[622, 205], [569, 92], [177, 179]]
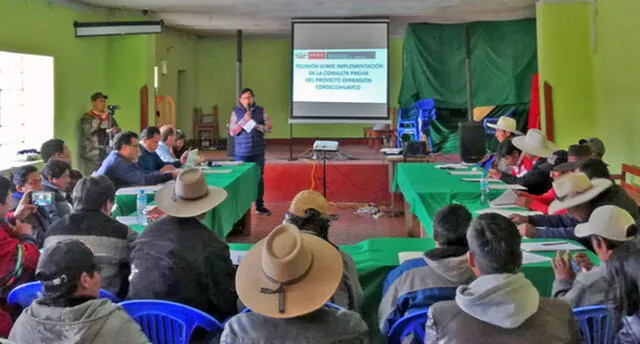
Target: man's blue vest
[[247, 144]]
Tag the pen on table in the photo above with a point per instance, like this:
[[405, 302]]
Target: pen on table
[[554, 243]]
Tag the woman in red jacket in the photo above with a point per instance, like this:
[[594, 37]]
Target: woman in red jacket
[[18, 252]]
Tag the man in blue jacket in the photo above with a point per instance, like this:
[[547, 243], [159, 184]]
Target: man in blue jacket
[[149, 160], [120, 165], [249, 123]]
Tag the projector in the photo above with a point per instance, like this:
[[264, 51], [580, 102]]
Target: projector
[[326, 146]]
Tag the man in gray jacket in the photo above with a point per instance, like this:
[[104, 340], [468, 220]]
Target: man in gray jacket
[[500, 306], [70, 311], [608, 227]]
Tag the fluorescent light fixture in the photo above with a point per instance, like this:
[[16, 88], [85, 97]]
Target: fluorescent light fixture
[[155, 77], [117, 28]]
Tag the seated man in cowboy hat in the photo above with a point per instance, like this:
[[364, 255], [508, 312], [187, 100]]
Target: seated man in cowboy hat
[[505, 130], [70, 310], [418, 282], [285, 280], [309, 211], [557, 163], [580, 193], [501, 305], [535, 145], [179, 259], [607, 229]]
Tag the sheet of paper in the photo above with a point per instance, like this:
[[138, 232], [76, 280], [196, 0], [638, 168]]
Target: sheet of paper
[[452, 166], [391, 151], [249, 126], [134, 190], [465, 173], [217, 171], [550, 246], [236, 256], [508, 198], [508, 212], [192, 159], [404, 256], [491, 180], [530, 258], [127, 220], [507, 187], [227, 163]]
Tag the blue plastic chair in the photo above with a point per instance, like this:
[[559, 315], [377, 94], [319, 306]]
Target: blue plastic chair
[[489, 120], [596, 324], [412, 324], [169, 322], [25, 294], [328, 304], [417, 120]]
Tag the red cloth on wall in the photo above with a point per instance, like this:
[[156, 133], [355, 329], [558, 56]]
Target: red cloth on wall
[[534, 105]]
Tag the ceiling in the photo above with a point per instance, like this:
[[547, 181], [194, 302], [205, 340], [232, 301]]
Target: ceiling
[[272, 17]]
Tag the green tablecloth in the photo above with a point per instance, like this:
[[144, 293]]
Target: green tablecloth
[[375, 257], [242, 188], [427, 189]]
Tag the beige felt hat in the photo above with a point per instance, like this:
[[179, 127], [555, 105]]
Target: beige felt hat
[[609, 222], [534, 143], [189, 195], [288, 273], [505, 123], [574, 189]]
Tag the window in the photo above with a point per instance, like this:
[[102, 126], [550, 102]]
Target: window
[[26, 103]]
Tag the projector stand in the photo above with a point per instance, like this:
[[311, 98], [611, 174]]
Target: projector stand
[[324, 173]]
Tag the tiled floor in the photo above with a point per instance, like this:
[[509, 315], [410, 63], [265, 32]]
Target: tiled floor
[[348, 229]]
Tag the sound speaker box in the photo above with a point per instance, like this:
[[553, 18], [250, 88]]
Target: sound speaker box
[[472, 137]]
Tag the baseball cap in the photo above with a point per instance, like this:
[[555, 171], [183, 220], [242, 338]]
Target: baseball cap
[[557, 158], [580, 151], [64, 262], [97, 96], [597, 146], [609, 222]]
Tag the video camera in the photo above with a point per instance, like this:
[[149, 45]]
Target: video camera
[[111, 109]]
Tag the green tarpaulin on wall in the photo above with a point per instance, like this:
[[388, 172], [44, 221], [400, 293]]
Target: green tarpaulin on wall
[[503, 61]]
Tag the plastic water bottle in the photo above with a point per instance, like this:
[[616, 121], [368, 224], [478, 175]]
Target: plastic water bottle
[[141, 207], [484, 188]]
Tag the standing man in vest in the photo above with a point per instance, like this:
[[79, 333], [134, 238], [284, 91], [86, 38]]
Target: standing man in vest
[[98, 127], [249, 123]]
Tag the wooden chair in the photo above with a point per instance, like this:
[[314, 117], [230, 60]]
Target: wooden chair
[[206, 128], [375, 138], [632, 189]]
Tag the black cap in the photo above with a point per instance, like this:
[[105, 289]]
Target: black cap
[[64, 262], [566, 167], [98, 95], [557, 158], [580, 151]]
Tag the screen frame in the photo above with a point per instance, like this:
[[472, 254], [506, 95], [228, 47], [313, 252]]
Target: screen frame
[[337, 119]]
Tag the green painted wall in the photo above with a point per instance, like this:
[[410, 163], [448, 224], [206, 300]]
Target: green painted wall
[[617, 80], [179, 50], [118, 66], [565, 61]]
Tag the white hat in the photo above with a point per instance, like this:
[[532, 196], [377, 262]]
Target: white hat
[[574, 189], [534, 143], [505, 123], [609, 222], [189, 195]]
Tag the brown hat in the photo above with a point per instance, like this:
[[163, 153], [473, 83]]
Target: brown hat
[[288, 273], [308, 199], [189, 195]]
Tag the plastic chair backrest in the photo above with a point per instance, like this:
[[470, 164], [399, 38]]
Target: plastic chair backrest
[[169, 322], [487, 129], [25, 294], [412, 324], [596, 324]]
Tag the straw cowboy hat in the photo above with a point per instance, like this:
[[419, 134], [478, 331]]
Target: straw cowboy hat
[[534, 143], [575, 188], [288, 273], [310, 199], [189, 195], [505, 123]]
